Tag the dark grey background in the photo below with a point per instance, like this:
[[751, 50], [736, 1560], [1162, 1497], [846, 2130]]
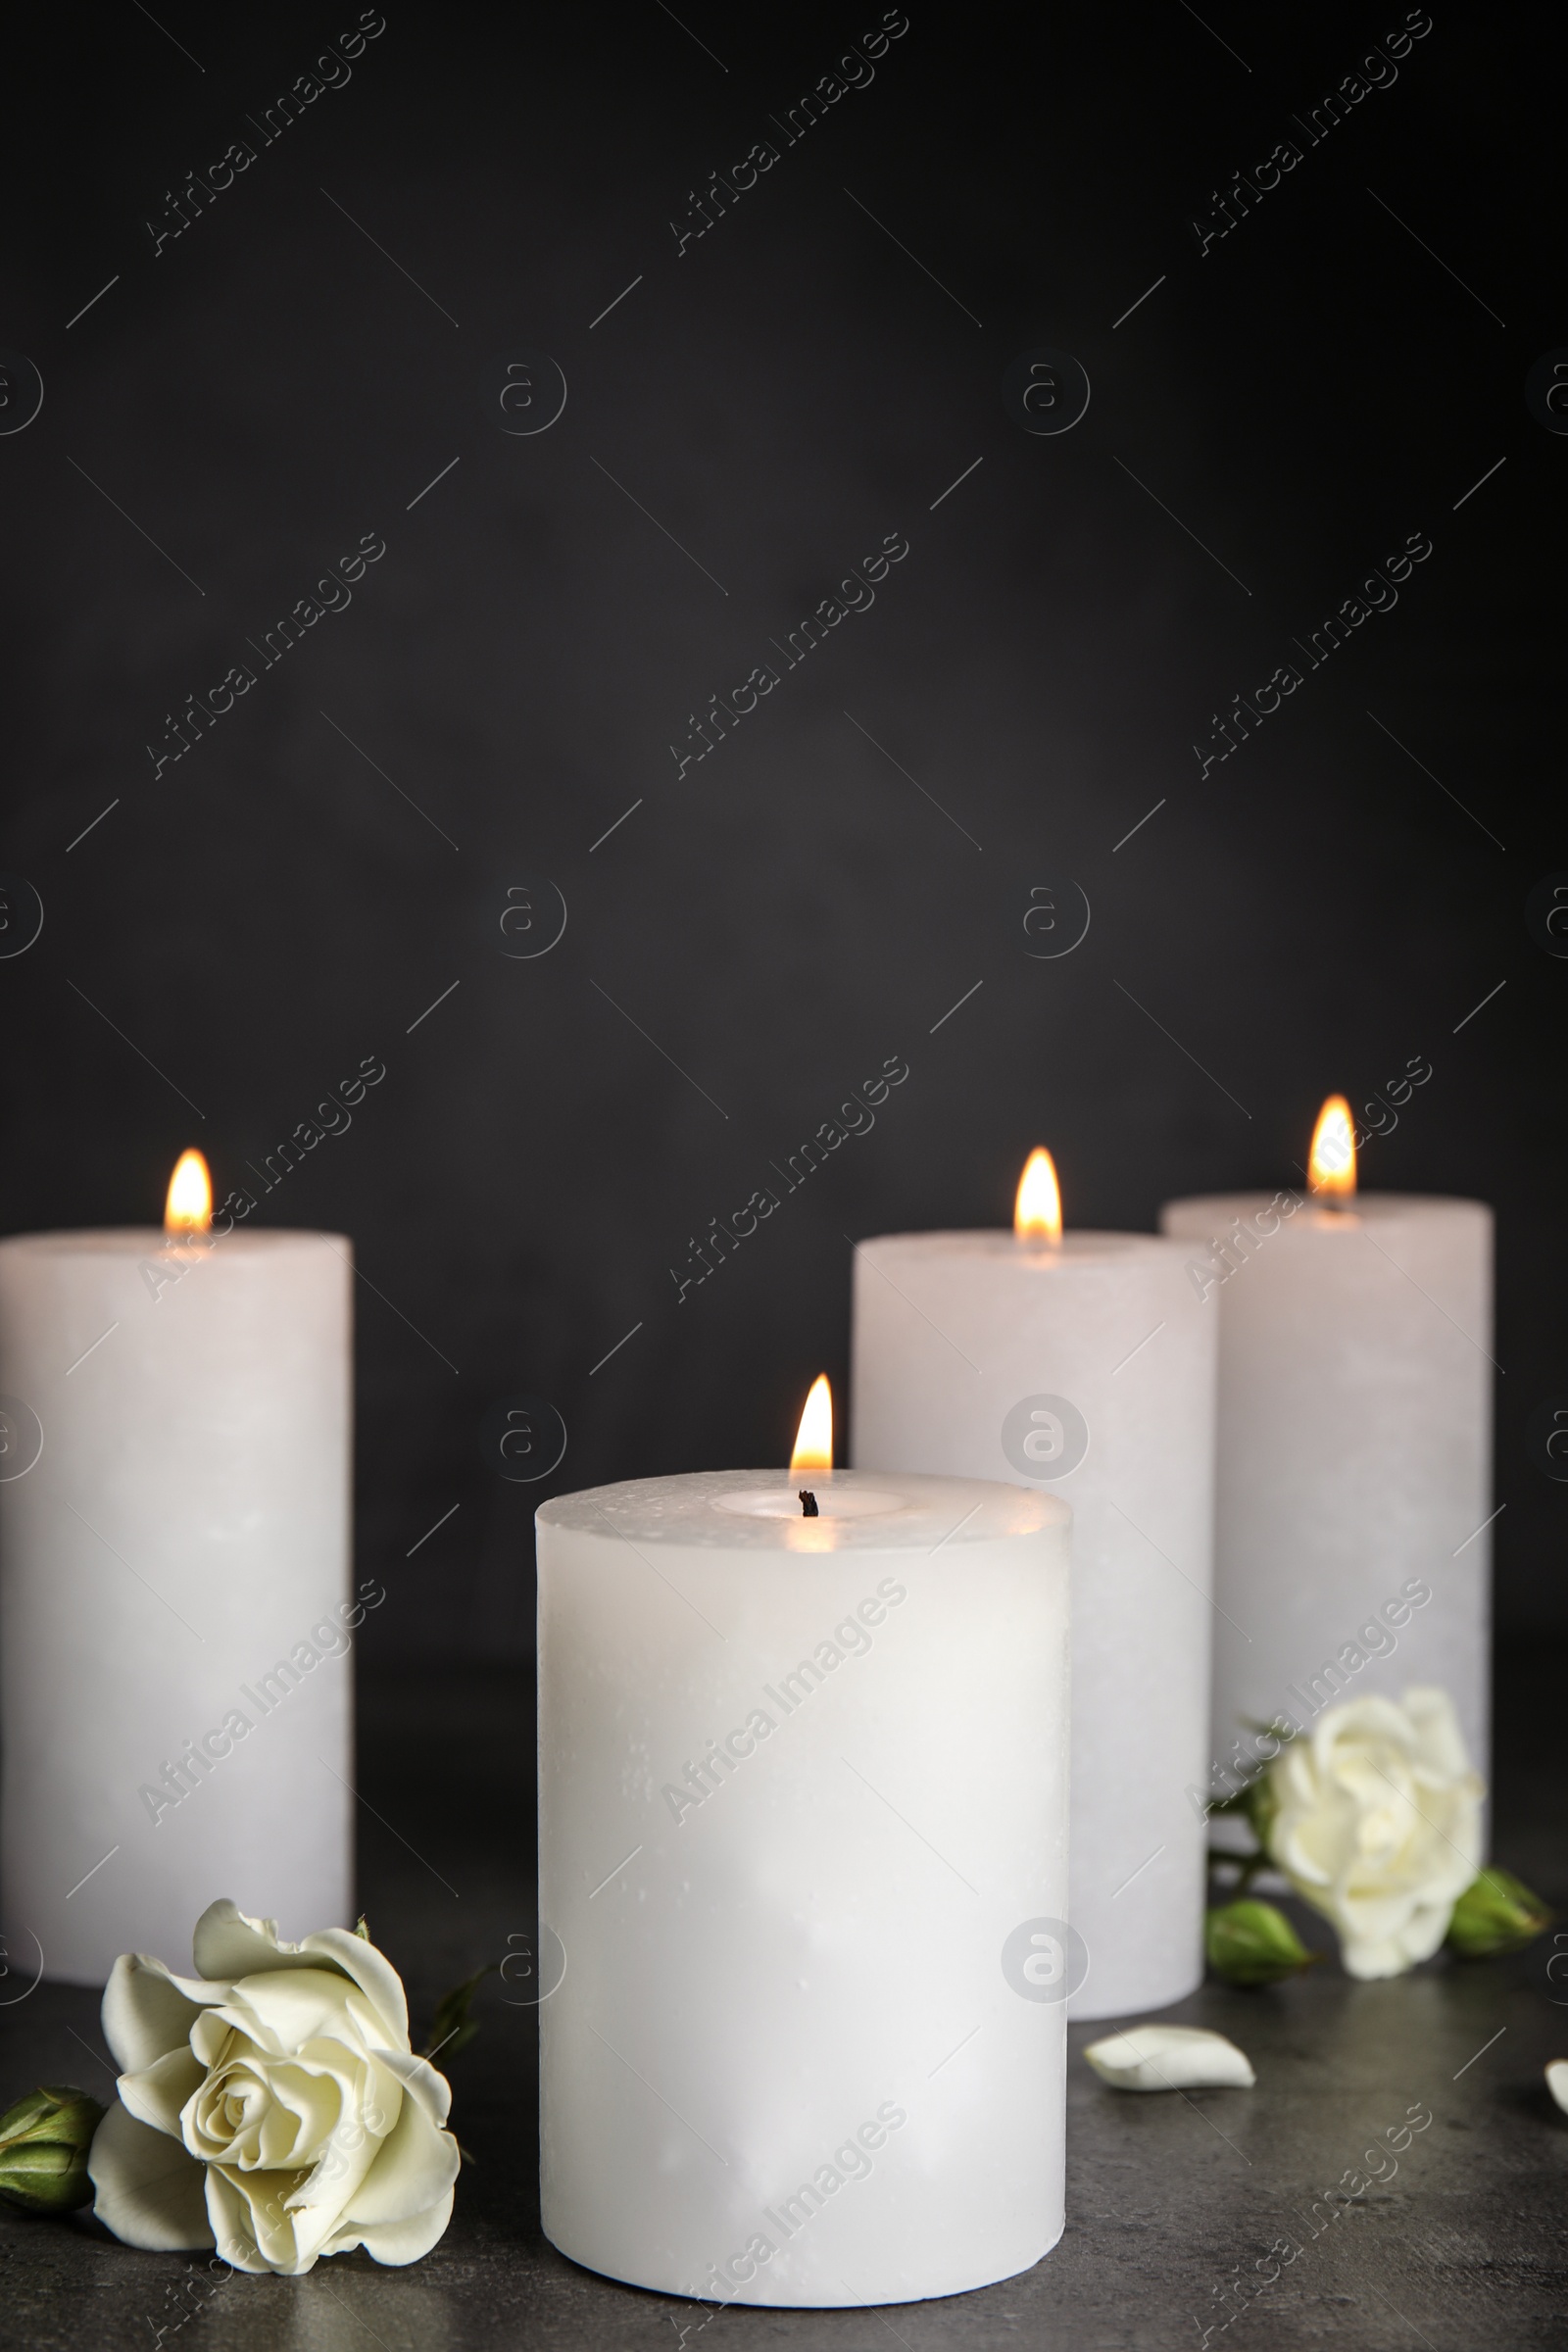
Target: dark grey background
[[780, 396]]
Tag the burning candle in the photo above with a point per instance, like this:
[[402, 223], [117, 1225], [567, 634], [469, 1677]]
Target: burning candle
[[1081, 1363], [175, 1692], [802, 1856], [1353, 1500]]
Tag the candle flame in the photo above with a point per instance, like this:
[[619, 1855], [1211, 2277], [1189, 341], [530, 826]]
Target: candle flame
[[813, 1441], [1037, 1211], [189, 1207], [1331, 1163]]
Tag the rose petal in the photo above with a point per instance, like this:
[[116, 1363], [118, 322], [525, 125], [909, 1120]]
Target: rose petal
[[315, 2222], [229, 2216], [1293, 1854], [214, 2034], [416, 2165], [423, 2080], [1367, 1955], [148, 2011], [1557, 2081], [1427, 1925], [149, 2191], [290, 2110], [1440, 1743], [334, 2186], [307, 2107], [251, 2221], [229, 1943], [1170, 2058], [156, 2093], [1367, 1959], [373, 1972], [396, 2241], [282, 2009], [1368, 1722]]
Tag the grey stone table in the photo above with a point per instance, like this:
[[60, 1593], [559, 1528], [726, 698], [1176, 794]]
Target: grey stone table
[[1172, 2202]]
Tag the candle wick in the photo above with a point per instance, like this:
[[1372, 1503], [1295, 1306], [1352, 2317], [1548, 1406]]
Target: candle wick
[[809, 1509]]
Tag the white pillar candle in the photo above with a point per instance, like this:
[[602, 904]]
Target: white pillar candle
[[802, 1845], [1088, 1366], [1355, 1454], [175, 1615]]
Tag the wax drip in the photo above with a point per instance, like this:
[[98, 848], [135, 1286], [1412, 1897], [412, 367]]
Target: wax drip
[[809, 1509]]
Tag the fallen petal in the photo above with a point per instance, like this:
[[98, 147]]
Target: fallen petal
[[1557, 2081], [1171, 2058]]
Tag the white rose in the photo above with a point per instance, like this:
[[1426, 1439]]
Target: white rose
[[270, 2105], [1379, 1826]]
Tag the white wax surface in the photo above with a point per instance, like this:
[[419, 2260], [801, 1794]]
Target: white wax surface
[[1354, 1451], [952, 1330], [755, 1990], [181, 1539]]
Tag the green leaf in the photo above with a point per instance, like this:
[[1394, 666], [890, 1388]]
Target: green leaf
[[1256, 1804], [452, 2029], [1251, 1942], [1497, 1913], [360, 1928], [44, 2139]]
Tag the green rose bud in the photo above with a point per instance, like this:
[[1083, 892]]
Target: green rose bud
[[44, 2141], [1497, 1913], [1250, 1942]]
